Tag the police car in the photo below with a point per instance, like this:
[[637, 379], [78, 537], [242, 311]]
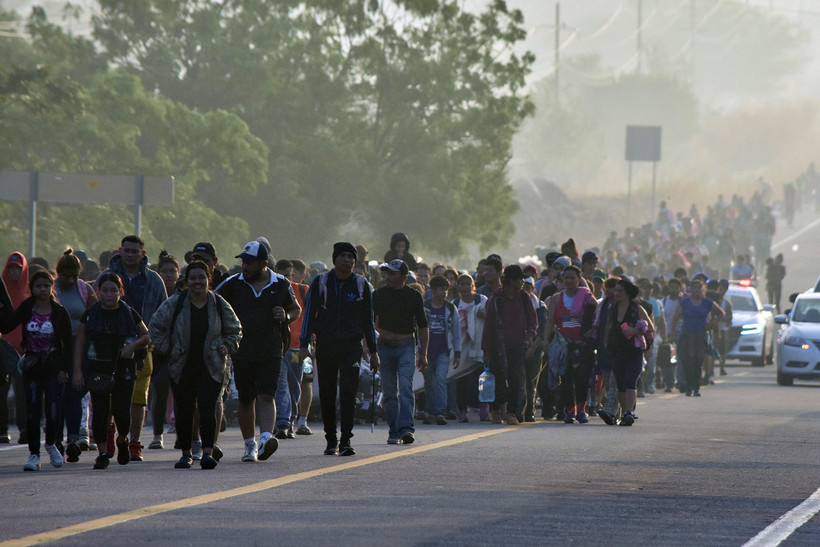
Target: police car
[[751, 336]]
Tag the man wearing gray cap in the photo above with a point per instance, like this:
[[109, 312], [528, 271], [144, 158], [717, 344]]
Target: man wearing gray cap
[[399, 312], [265, 305]]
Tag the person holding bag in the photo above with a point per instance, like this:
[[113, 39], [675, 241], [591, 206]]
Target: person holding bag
[[627, 326], [197, 329], [45, 364], [110, 338]]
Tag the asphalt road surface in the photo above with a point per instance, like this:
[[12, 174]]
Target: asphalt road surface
[[714, 470]]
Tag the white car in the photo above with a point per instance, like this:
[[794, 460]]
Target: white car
[[797, 351], [751, 336]]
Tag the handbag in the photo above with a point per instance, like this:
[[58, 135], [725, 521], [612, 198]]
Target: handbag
[[102, 382]]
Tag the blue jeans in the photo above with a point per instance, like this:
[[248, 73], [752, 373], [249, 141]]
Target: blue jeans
[[397, 368], [435, 384], [289, 389]]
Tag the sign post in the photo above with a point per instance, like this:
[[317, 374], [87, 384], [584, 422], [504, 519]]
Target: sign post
[[643, 143], [36, 187]]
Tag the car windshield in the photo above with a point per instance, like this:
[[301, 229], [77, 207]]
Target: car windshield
[[807, 311], [742, 302]]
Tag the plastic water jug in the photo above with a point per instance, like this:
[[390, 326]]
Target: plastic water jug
[[486, 386]]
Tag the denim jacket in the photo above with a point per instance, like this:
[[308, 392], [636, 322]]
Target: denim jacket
[[453, 326]]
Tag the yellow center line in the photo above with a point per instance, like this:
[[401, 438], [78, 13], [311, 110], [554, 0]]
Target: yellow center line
[[143, 512]]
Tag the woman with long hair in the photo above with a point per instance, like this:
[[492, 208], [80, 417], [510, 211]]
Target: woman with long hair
[[76, 296], [626, 322], [109, 336], [47, 343], [15, 277], [197, 329]]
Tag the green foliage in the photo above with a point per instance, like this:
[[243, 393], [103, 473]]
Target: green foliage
[[110, 124], [378, 116]]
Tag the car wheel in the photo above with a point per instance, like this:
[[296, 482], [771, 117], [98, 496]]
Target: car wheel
[[784, 379]]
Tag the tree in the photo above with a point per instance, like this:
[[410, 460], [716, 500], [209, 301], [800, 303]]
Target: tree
[[109, 123], [379, 116]]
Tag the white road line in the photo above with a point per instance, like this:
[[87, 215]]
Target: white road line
[[12, 447], [796, 234], [782, 528]]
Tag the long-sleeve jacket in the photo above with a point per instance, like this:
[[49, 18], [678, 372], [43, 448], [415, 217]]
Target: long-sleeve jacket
[[223, 328], [338, 310], [10, 319], [153, 292]]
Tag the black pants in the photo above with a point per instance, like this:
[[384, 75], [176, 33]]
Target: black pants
[[509, 381], [37, 388], [575, 382], [467, 389], [117, 403], [337, 364], [160, 385], [533, 369], [196, 389]]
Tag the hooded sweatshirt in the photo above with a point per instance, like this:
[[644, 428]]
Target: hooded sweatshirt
[[392, 254], [18, 292]]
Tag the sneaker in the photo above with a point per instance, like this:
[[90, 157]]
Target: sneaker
[[689, 393], [627, 419], [60, 449], [496, 417], [484, 412], [290, 434], [668, 390], [184, 462], [511, 419], [216, 453], [54, 455], [101, 462], [650, 390], [463, 416], [123, 452], [73, 452], [346, 450], [135, 448], [451, 415], [304, 430], [529, 418], [582, 418], [441, 420], [196, 450], [207, 462], [92, 446], [33, 463], [250, 452], [267, 447], [331, 448], [722, 372], [696, 393], [407, 438], [429, 419], [84, 443], [156, 444], [393, 440], [281, 433], [606, 416], [569, 418]]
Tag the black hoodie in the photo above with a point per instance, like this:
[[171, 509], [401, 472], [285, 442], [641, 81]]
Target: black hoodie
[[408, 258]]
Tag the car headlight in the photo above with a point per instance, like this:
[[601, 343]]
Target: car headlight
[[796, 341], [751, 328]]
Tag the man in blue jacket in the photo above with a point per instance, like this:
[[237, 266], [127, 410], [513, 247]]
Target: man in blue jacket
[[339, 311], [445, 336]]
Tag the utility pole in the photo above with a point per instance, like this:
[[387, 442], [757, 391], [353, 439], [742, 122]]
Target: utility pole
[[640, 24], [557, 49]]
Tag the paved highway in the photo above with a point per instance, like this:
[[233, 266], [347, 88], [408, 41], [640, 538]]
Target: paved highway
[[715, 470]]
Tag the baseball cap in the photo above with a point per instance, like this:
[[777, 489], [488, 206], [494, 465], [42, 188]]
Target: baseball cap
[[395, 265], [599, 274], [204, 248], [562, 262], [253, 250], [529, 281]]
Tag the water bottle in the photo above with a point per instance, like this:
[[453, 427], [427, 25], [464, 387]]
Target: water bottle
[[307, 369], [92, 352], [307, 366], [486, 386]]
